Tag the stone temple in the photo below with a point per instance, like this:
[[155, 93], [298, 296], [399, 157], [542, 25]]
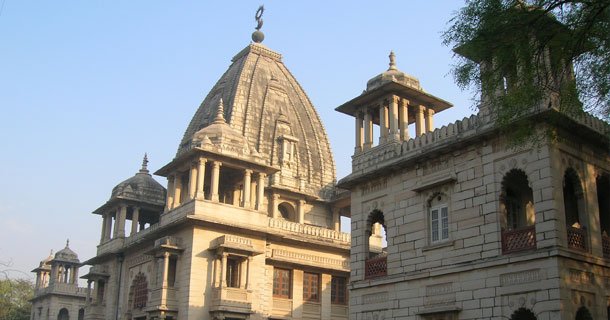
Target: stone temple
[[446, 223]]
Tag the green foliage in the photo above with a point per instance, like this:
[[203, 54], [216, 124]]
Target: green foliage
[[14, 299], [519, 53]]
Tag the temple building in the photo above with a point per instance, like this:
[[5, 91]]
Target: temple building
[[56, 291], [476, 228], [248, 225]]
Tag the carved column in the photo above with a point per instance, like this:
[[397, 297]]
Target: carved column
[[274, 212], [359, 134], [177, 190], [108, 230], [403, 119], [215, 178], [104, 223], [165, 279], [383, 123], [336, 220], [88, 299], [368, 130], [260, 186], [193, 180], [169, 204], [419, 120], [246, 193], [429, 115], [199, 194], [301, 210], [223, 270], [135, 220], [248, 264], [393, 108]]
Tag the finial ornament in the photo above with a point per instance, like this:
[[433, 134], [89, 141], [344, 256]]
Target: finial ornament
[[220, 113], [258, 36], [67, 243], [145, 164], [392, 61]]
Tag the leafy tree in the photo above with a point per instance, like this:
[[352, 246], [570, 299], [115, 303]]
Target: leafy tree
[[14, 299], [504, 47]]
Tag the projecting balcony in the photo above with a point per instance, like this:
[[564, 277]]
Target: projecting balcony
[[282, 307], [376, 266], [156, 301], [520, 239], [577, 238], [236, 300]]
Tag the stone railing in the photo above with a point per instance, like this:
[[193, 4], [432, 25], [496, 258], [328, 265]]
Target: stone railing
[[282, 307], [376, 267], [232, 299], [232, 239], [519, 239], [155, 298], [392, 149], [168, 241], [577, 238], [141, 234], [63, 288], [110, 246], [309, 230], [342, 264]]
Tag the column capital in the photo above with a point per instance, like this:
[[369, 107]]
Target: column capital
[[248, 171], [202, 160], [396, 99], [430, 111], [420, 108], [217, 163]]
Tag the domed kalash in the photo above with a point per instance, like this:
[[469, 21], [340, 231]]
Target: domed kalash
[[248, 227]]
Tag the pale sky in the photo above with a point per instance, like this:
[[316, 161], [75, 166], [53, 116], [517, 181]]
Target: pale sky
[[87, 87]]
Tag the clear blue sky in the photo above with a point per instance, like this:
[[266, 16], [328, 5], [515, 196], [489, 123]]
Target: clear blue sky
[[86, 87]]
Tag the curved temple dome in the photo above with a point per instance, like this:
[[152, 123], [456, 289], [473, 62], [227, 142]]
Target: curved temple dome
[[265, 103]]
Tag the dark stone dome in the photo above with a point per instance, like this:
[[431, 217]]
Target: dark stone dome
[[141, 187], [66, 255]]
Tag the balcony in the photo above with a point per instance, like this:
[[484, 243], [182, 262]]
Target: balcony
[[231, 299], [156, 302], [577, 238], [315, 231], [376, 267], [282, 307], [606, 246], [519, 239]]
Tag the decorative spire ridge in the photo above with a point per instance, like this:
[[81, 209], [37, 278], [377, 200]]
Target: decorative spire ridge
[[220, 113], [258, 36], [392, 61], [144, 168], [67, 243]]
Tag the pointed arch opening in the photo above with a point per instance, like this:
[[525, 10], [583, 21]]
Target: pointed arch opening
[[574, 208], [583, 314], [376, 262], [523, 314], [518, 216], [63, 314]]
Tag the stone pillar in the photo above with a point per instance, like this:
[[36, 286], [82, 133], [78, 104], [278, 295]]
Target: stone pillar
[[383, 123], [248, 264], [177, 190], [215, 270], [108, 230], [274, 212], [104, 223], [325, 295], [199, 194], [393, 106], [169, 204], [429, 115], [260, 186], [297, 293], [359, 134], [121, 219], [419, 120], [193, 180], [215, 178], [165, 279], [246, 193], [223, 270], [368, 130], [135, 220], [403, 119], [301, 211], [88, 301], [336, 220]]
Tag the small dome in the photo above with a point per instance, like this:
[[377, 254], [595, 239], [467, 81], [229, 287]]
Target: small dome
[[393, 75], [46, 262], [66, 254], [141, 187]]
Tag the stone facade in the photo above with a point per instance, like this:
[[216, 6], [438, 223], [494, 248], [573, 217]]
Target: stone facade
[[249, 225], [475, 228]]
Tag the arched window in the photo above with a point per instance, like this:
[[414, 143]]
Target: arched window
[[517, 213], [523, 314], [63, 314], [287, 211], [573, 203], [139, 291], [438, 218], [603, 202], [583, 314], [376, 263], [81, 314]]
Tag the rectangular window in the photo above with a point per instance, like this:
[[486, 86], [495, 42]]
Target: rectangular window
[[232, 273], [439, 224], [282, 279], [171, 271], [311, 287], [338, 293]]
